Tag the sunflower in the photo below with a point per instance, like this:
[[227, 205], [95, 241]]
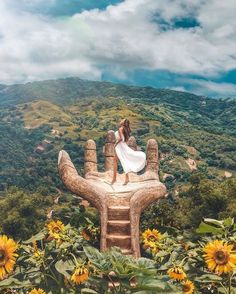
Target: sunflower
[[80, 275], [7, 255], [37, 291], [151, 235], [188, 287], [150, 245], [177, 273], [55, 228], [38, 254], [219, 257]]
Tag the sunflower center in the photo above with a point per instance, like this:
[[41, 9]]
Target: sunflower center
[[186, 288], [152, 237], [56, 230], [2, 257], [221, 257]]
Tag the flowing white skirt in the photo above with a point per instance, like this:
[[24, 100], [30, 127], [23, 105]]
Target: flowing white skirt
[[131, 160]]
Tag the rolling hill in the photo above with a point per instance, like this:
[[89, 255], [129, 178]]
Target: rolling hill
[[194, 133]]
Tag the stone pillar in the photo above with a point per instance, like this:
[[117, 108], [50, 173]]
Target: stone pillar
[[109, 150], [132, 143], [152, 156], [90, 157]]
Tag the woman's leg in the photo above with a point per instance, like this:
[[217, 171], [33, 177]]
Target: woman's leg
[[115, 163], [126, 179]]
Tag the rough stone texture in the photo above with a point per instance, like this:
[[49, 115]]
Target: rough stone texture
[[109, 150], [110, 138], [90, 144], [152, 156], [119, 205], [109, 163], [90, 157], [132, 143]]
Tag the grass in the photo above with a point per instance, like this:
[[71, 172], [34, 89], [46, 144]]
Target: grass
[[40, 112]]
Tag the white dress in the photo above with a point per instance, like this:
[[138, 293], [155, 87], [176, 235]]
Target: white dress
[[131, 160]]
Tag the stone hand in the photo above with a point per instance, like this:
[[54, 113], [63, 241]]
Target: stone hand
[[129, 200]]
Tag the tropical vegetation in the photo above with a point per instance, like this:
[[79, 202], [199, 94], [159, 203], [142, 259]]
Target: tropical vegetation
[[59, 259], [49, 238]]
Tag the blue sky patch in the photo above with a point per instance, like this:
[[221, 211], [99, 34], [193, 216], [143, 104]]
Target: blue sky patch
[[70, 7], [186, 22]]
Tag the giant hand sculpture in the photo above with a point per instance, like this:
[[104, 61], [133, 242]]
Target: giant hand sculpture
[[119, 205]]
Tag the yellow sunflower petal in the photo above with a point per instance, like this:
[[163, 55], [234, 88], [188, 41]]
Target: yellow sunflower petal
[[7, 255], [219, 257]]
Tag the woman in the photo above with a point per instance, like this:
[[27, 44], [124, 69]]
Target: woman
[[131, 160]]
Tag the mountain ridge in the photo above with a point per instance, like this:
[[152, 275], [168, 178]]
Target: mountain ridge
[[69, 91], [53, 89]]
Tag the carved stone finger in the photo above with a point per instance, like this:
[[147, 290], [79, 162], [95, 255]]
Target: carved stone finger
[[82, 187], [152, 156], [90, 157], [109, 150], [132, 143], [77, 184]]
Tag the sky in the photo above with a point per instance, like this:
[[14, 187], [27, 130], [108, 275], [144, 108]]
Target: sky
[[185, 45]]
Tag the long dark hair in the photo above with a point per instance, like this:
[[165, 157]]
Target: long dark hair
[[126, 128]]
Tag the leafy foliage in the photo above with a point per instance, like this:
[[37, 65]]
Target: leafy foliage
[[50, 264], [67, 112], [203, 198]]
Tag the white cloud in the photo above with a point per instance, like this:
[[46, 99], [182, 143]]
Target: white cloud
[[178, 88], [123, 37], [200, 87], [126, 35], [34, 47]]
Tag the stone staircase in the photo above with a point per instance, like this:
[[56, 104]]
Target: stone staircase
[[118, 224]]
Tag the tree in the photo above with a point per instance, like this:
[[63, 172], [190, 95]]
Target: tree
[[22, 214]]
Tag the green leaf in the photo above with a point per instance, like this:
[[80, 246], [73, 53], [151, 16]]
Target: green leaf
[[14, 283], [214, 222], [146, 263], [208, 278], [63, 266], [205, 228], [228, 222], [162, 253], [157, 285], [100, 260], [36, 237], [89, 291], [93, 254]]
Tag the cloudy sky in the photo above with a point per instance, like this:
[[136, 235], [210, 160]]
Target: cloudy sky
[[187, 45]]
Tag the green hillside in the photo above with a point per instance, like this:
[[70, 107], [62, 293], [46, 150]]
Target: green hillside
[[68, 112], [196, 137]]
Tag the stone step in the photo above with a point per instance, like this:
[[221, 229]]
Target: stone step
[[118, 213], [124, 241], [117, 199], [118, 227]]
